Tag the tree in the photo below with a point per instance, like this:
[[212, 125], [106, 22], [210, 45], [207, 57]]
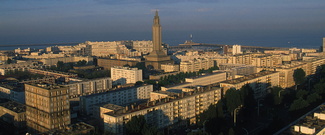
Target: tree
[[60, 65], [299, 76], [138, 126], [298, 104], [135, 125], [233, 99], [9, 61], [313, 98]]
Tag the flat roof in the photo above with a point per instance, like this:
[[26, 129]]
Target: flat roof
[[162, 101], [249, 77], [14, 106]]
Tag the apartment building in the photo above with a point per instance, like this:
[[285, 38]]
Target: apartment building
[[124, 75], [236, 49], [196, 65], [161, 113], [107, 63], [118, 96], [47, 107], [259, 82], [81, 87], [200, 80], [286, 72], [143, 46], [170, 67], [54, 61], [23, 66], [237, 69]]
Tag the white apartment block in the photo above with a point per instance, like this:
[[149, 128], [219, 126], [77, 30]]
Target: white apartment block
[[170, 67], [161, 113], [83, 87], [124, 75], [236, 49], [196, 65], [118, 97], [259, 82]]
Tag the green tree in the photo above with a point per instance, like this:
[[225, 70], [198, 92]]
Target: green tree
[[138, 126], [299, 76], [9, 61], [298, 104], [301, 94], [60, 65], [233, 99], [135, 125], [313, 98]]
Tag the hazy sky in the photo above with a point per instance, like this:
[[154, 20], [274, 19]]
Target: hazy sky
[[227, 21]]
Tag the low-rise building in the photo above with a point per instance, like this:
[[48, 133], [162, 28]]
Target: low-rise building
[[55, 74]]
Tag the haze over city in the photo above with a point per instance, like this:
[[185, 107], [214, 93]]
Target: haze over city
[[291, 23]]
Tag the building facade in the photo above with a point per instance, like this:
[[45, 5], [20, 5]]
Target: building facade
[[259, 82], [79, 87], [164, 112], [118, 97], [196, 65], [48, 107], [124, 75]]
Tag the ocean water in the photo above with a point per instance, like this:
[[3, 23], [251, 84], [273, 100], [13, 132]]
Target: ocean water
[[274, 39]]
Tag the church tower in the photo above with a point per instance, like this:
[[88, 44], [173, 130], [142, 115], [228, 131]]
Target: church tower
[[157, 56]]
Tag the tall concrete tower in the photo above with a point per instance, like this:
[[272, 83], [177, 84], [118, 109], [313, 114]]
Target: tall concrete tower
[[157, 56]]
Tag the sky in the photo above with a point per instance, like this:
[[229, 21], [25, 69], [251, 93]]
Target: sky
[[298, 23]]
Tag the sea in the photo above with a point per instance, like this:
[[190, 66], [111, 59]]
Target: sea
[[306, 40]]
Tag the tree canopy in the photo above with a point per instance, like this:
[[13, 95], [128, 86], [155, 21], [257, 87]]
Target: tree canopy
[[299, 76]]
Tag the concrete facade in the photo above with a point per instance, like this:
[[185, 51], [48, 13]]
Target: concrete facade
[[124, 75], [119, 96], [48, 107], [164, 112]]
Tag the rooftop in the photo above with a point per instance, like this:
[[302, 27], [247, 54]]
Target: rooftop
[[151, 104], [14, 106], [46, 85], [116, 90], [249, 77]]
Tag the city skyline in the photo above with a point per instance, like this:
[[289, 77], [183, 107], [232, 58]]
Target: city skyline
[[278, 23]]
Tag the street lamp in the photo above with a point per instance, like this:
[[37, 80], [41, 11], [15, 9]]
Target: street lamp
[[235, 114], [258, 106], [309, 83]]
